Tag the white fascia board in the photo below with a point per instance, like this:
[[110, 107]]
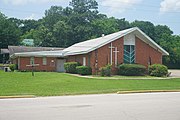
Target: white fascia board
[[75, 53], [164, 52], [34, 54]]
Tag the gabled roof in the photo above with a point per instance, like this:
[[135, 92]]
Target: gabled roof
[[93, 44], [90, 45]]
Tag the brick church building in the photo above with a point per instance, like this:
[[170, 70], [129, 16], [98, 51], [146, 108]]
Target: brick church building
[[126, 46]]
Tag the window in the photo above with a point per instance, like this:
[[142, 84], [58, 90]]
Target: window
[[44, 61], [84, 61], [31, 60], [129, 54]]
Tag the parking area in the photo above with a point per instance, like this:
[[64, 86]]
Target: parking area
[[175, 73]]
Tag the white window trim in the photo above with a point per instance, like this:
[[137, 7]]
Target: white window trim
[[84, 61], [19, 62], [44, 61], [31, 60]]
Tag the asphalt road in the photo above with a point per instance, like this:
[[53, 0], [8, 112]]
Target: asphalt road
[[148, 106]]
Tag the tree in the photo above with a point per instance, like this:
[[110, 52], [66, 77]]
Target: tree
[[9, 32], [105, 26], [61, 33], [44, 37], [146, 27], [123, 24], [53, 15], [171, 43], [84, 6], [160, 30]]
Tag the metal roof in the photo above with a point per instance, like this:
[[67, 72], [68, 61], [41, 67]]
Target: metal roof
[[19, 49], [58, 53], [90, 45]]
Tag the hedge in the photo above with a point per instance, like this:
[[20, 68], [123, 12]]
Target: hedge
[[13, 67], [84, 70], [105, 71], [132, 70], [158, 70], [70, 67]]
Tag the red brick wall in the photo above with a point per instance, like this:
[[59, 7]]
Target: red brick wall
[[79, 58], [103, 56], [144, 51], [38, 60]]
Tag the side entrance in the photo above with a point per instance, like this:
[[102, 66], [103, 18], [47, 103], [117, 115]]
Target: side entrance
[[60, 65]]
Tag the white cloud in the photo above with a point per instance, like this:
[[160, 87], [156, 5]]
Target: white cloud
[[170, 5], [119, 6], [24, 2]]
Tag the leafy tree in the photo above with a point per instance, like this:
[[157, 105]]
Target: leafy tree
[[160, 30], [61, 33], [105, 26], [9, 32], [171, 43], [146, 27], [123, 24], [27, 25], [53, 15], [44, 37], [84, 6]]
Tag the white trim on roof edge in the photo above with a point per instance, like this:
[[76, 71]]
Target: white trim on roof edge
[[152, 41]]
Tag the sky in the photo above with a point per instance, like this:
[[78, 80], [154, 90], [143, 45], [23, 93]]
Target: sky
[[163, 12]]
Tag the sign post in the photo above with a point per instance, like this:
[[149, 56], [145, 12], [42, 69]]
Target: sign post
[[32, 67]]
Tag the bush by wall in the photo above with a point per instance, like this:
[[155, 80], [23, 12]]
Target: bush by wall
[[84, 70], [158, 70], [70, 67], [105, 71], [13, 67], [131, 69]]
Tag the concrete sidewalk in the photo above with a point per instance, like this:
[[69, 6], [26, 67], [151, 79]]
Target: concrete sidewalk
[[175, 73]]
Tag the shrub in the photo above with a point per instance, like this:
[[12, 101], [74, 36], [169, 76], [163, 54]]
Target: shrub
[[105, 71], [13, 67], [84, 70], [131, 69], [70, 67], [158, 70]]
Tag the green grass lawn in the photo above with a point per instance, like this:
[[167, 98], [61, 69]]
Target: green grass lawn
[[54, 84]]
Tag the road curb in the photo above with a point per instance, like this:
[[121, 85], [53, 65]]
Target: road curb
[[23, 96], [146, 91]]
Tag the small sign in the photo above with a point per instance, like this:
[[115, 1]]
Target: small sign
[[32, 66]]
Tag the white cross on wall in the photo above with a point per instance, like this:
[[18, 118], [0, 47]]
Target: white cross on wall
[[116, 54], [111, 47]]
